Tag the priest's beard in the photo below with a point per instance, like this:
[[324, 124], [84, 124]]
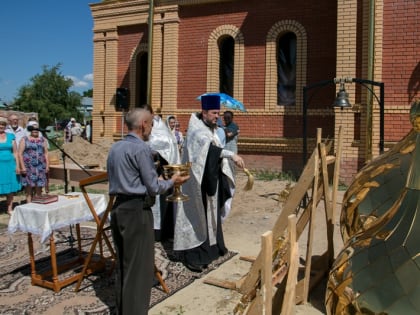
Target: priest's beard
[[209, 124]]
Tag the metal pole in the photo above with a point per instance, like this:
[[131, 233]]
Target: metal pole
[[382, 118], [304, 137], [381, 101], [369, 123], [369, 103], [150, 53]]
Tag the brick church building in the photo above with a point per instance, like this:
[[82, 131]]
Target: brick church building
[[263, 53]]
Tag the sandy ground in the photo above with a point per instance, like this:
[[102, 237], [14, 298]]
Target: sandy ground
[[253, 213]]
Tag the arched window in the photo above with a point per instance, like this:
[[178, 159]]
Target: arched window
[[141, 79], [226, 64], [286, 59], [286, 69]]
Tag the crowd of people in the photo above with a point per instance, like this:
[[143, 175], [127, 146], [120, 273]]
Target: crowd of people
[[75, 129], [227, 131], [24, 156], [140, 213], [23, 159]]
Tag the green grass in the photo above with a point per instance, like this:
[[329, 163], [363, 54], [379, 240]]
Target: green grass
[[342, 187], [54, 188], [93, 190], [286, 176], [270, 175], [57, 138]]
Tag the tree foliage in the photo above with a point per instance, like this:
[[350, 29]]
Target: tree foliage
[[88, 93], [48, 94]]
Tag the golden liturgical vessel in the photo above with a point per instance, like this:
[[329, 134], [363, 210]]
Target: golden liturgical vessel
[[378, 271], [168, 172]]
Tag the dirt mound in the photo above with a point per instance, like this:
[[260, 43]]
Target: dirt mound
[[85, 153]]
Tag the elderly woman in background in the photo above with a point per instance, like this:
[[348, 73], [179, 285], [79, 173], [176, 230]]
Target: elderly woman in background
[[33, 156], [178, 135], [9, 165]]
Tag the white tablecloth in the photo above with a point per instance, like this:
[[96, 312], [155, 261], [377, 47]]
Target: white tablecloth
[[43, 219]]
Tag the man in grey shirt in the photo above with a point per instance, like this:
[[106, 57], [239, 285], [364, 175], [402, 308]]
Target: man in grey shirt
[[15, 128], [134, 181]]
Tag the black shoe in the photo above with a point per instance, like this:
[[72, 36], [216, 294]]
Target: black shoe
[[193, 267]]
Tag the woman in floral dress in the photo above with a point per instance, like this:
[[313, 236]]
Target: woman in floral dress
[[33, 155]]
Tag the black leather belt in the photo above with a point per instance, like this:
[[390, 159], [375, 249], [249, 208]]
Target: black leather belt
[[123, 197], [147, 200]]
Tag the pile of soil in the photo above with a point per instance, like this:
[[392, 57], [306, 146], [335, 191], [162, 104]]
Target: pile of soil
[[85, 153]]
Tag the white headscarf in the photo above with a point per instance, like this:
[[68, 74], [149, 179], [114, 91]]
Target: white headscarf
[[32, 123]]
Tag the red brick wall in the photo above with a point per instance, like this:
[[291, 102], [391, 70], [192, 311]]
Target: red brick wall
[[401, 67], [129, 38], [348, 165], [254, 19], [398, 66], [287, 162], [397, 126]]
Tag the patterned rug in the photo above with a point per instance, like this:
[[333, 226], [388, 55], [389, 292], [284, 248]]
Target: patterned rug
[[96, 295]]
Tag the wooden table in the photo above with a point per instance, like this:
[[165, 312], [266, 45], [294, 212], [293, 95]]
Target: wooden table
[[43, 219]]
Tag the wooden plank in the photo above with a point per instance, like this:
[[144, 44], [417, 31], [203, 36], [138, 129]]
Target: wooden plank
[[250, 282], [292, 202], [239, 282], [290, 292], [330, 159], [77, 175], [74, 176], [336, 175], [327, 203], [291, 228], [318, 178], [95, 179], [220, 283], [305, 215], [58, 173], [248, 258], [256, 306], [266, 274], [312, 209], [296, 195], [245, 303], [158, 275], [334, 189], [279, 274], [261, 304]]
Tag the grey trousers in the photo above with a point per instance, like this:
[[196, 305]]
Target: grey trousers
[[133, 235]]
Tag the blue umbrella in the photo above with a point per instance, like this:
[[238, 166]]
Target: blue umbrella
[[227, 101]]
